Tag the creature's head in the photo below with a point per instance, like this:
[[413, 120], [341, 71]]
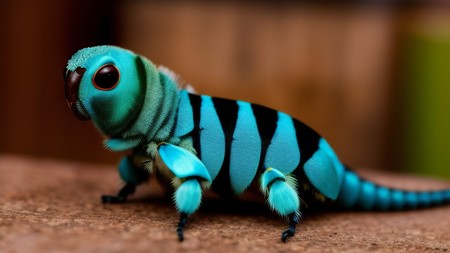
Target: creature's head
[[107, 84]]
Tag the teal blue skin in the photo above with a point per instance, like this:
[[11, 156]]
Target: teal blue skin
[[194, 143]]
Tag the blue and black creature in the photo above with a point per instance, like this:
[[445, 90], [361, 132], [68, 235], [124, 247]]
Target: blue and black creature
[[194, 143]]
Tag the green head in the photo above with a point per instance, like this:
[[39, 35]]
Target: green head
[[106, 84], [109, 85]]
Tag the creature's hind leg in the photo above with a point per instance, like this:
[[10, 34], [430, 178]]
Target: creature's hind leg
[[294, 218], [282, 197]]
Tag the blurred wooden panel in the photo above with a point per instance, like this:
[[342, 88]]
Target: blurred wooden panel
[[36, 43]]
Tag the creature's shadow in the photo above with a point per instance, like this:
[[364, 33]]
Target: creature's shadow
[[246, 206]]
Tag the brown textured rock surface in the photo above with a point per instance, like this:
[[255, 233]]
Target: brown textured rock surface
[[53, 206]]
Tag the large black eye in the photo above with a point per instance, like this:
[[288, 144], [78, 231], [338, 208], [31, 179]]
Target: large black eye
[[106, 77]]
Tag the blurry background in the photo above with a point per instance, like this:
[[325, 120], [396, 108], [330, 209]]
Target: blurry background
[[374, 79]]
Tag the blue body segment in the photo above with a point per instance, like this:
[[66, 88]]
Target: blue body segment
[[338, 166], [185, 116], [245, 149], [411, 200], [446, 195], [283, 152], [436, 198], [424, 198], [367, 198], [398, 200], [212, 138], [349, 192], [324, 171], [383, 199]]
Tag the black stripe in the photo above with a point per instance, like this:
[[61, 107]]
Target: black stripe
[[227, 110], [308, 141], [266, 120], [196, 103]]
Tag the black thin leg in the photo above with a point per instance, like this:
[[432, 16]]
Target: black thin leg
[[121, 197], [293, 221], [181, 224]]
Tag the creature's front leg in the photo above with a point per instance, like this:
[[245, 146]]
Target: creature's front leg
[[132, 175], [121, 196], [189, 175], [187, 199]]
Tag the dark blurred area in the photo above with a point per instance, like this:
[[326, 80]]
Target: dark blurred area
[[374, 79]]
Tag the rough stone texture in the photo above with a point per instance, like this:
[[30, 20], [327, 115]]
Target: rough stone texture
[[53, 206]]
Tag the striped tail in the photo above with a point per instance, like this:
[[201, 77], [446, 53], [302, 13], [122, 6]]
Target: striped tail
[[359, 193]]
